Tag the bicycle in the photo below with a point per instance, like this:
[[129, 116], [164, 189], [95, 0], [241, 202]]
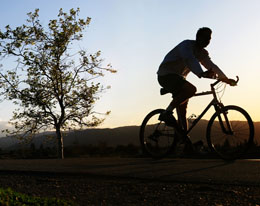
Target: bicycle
[[229, 133]]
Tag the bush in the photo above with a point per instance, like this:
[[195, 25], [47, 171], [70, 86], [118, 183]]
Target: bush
[[10, 198], [102, 149]]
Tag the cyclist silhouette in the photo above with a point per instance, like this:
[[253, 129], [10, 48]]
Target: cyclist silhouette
[[181, 60]]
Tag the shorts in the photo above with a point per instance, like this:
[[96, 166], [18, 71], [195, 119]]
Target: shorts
[[172, 82]]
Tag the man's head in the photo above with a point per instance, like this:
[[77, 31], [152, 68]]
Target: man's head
[[203, 37]]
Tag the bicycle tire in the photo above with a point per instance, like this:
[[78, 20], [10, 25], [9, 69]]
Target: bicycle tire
[[230, 145], [156, 138]]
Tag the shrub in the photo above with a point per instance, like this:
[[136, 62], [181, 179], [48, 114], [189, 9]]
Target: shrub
[[10, 198]]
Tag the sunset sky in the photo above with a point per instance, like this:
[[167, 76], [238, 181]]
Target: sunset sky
[[135, 35]]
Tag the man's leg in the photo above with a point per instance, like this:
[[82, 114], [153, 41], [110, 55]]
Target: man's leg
[[186, 92], [181, 112]]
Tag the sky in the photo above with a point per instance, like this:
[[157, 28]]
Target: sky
[[135, 35]]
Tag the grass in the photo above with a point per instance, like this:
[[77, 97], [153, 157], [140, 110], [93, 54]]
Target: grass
[[8, 197]]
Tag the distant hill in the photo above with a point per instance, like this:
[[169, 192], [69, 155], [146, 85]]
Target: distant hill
[[110, 137]]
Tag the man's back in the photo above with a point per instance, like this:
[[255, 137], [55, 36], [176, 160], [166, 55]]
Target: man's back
[[182, 59]]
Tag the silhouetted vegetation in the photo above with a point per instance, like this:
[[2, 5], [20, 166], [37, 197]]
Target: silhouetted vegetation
[[104, 150], [100, 150], [10, 197]]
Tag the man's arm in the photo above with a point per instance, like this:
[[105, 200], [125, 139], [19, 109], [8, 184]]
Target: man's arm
[[186, 53], [209, 65]]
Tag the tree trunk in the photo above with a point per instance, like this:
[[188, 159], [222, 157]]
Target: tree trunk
[[60, 146]]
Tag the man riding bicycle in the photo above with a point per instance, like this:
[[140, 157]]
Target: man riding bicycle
[[181, 60]]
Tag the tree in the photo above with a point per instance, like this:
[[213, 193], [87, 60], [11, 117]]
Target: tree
[[53, 88]]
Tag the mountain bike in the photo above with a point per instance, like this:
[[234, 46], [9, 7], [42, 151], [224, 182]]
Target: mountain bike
[[229, 132]]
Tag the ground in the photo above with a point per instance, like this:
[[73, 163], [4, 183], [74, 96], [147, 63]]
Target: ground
[[103, 190]]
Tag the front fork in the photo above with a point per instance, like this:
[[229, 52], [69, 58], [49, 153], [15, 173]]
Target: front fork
[[223, 119]]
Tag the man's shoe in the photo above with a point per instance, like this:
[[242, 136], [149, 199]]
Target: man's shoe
[[199, 148], [188, 148], [168, 118], [184, 147]]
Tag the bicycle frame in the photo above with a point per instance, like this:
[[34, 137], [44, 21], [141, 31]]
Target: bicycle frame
[[217, 105]]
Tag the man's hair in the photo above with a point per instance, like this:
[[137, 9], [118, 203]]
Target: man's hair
[[203, 31]]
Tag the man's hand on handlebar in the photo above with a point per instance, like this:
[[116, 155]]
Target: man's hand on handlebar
[[231, 82], [212, 75]]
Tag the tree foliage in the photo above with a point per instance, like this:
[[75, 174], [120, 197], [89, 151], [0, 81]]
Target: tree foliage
[[52, 87]]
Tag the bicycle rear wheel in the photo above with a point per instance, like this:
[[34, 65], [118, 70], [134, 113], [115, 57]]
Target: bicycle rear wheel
[[230, 132], [157, 139]]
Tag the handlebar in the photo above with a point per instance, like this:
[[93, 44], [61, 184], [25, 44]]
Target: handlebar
[[212, 75], [214, 84], [231, 82]]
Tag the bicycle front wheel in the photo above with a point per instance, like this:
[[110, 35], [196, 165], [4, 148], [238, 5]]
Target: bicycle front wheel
[[230, 132], [156, 137]]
